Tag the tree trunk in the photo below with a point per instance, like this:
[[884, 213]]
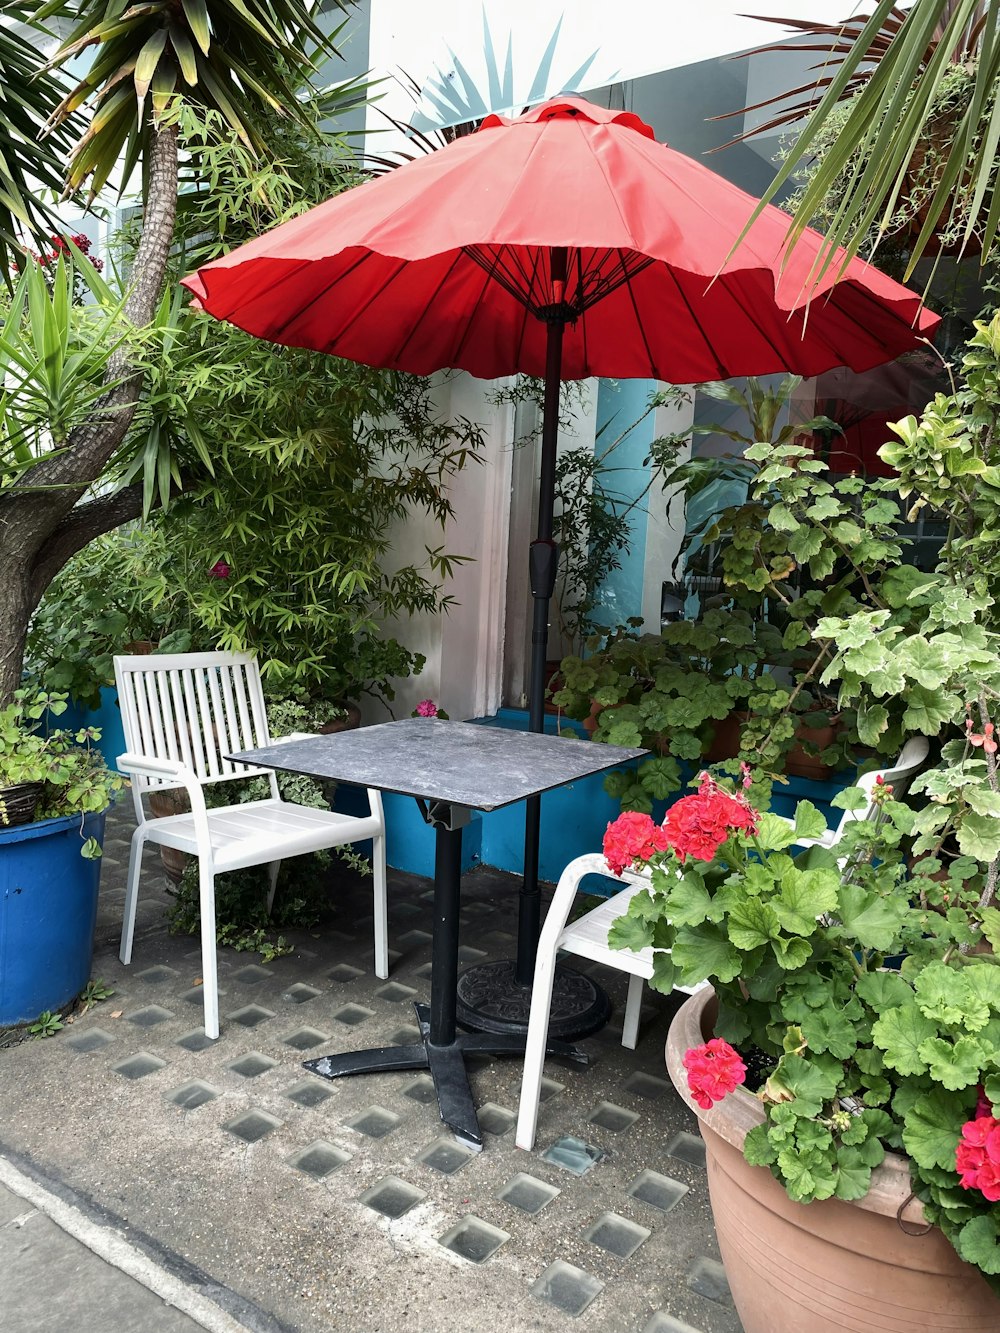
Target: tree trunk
[[40, 529]]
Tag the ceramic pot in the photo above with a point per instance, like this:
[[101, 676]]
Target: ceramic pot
[[827, 1265], [170, 801], [18, 802]]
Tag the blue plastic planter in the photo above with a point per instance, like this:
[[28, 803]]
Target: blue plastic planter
[[48, 909]]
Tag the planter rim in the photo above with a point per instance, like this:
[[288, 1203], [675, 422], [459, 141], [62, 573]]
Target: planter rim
[[890, 1194], [39, 828]]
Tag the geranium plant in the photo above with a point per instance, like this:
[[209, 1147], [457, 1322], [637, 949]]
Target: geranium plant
[[858, 992]]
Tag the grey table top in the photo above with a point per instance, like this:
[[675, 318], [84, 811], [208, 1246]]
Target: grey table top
[[463, 763]]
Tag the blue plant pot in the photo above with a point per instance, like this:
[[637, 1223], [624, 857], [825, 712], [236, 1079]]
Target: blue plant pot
[[48, 909]]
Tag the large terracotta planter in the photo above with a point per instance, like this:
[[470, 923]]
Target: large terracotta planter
[[819, 1267]]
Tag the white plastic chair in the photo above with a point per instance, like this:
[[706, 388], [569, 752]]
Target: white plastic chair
[[587, 937], [181, 714]]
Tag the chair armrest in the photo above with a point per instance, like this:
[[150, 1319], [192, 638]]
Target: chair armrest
[[591, 863], [168, 770]]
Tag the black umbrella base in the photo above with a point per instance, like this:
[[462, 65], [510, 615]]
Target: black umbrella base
[[490, 1000]]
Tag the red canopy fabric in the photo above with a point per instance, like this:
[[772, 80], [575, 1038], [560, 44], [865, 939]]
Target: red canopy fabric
[[445, 262]]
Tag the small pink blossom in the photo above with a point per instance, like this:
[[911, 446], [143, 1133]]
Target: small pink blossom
[[632, 837], [713, 1071], [427, 708], [220, 570]]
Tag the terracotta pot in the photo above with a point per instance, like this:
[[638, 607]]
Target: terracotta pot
[[346, 723], [828, 1265], [726, 736], [170, 801], [803, 765]]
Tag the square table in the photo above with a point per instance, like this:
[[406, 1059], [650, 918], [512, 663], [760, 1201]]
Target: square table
[[451, 768]]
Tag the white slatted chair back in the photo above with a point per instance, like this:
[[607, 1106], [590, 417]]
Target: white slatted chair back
[[912, 755], [192, 709]]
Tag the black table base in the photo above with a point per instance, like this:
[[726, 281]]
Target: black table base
[[490, 999], [446, 1064]]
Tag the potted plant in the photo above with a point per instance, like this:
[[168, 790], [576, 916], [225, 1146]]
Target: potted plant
[[49, 856], [852, 1002]]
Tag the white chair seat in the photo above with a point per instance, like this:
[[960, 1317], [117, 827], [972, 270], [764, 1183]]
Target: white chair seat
[[587, 937]]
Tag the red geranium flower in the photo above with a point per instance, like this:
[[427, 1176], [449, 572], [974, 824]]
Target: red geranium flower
[[977, 1157], [713, 1071], [632, 837], [698, 825]]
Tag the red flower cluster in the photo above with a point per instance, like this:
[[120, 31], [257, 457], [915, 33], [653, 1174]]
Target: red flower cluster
[[977, 1157], [713, 1070], [698, 825], [632, 837], [61, 247], [220, 570]]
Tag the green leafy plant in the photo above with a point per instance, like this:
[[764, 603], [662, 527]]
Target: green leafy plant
[[46, 1024], [95, 992], [860, 1051]]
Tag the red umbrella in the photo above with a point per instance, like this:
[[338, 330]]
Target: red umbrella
[[566, 243]]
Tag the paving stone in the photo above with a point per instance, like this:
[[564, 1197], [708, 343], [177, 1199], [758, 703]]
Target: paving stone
[[413, 939], [353, 1014], [318, 1159], [252, 1065], [375, 1121], [403, 911], [666, 1323], [196, 995], [495, 1119], [407, 1036], [138, 1066], [708, 1278], [446, 1156], [252, 975], [94, 1039], [688, 1148], [645, 1085], [195, 1041], [392, 1197], [191, 1095], [527, 1193], [662, 1192], [344, 973], [395, 993], [149, 1016], [155, 975], [474, 1239], [424, 972], [611, 1117], [568, 1288], [617, 1235], [250, 1015], [253, 1125], [300, 993], [310, 1092], [466, 954], [305, 1039], [548, 1089], [421, 1089], [573, 1155]]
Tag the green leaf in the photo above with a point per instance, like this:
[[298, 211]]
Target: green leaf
[[829, 1030], [853, 1175], [630, 932], [955, 1065], [689, 902], [943, 994], [978, 1243], [809, 823], [806, 1081], [751, 924], [757, 1147], [872, 920], [805, 895], [979, 837], [884, 990], [900, 1034], [932, 1129], [704, 953]]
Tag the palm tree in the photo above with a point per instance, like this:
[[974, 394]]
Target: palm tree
[[892, 66], [234, 57]]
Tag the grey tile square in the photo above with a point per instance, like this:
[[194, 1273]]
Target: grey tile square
[[413, 939], [611, 1117], [193, 1094], [195, 1041], [196, 995], [424, 971], [344, 973], [666, 1323], [375, 1121], [250, 1015], [94, 1039], [688, 1148], [662, 1192], [527, 1193], [645, 1085], [466, 954], [474, 1239], [395, 993], [252, 1065], [401, 911], [310, 1092], [252, 975], [155, 975], [495, 1119], [421, 1089], [549, 1088], [353, 1014], [617, 1235], [573, 1155], [446, 1156], [392, 1197], [305, 1039], [300, 993], [708, 1278], [150, 1016], [568, 1288], [405, 1036], [253, 1125], [139, 1065], [318, 1159]]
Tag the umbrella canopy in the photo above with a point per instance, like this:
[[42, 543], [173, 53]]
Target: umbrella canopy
[[446, 262]]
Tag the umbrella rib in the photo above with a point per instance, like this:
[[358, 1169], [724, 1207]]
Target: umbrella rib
[[401, 347], [697, 322], [487, 279], [318, 296], [638, 320]]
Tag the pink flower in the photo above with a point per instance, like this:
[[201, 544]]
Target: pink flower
[[632, 837], [426, 708], [698, 825], [713, 1071], [977, 1157], [220, 570]]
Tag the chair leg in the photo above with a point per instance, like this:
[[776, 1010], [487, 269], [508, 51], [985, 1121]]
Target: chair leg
[[630, 1027], [209, 958], [380, 909], [534, 1050], [132, 894], [272, 881]]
